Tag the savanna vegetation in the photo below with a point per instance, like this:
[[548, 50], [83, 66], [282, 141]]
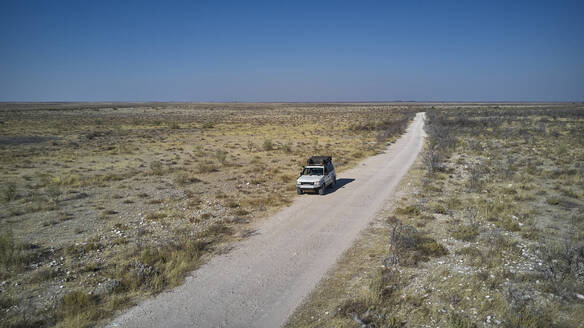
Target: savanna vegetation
[[103, 205], [488, 230]]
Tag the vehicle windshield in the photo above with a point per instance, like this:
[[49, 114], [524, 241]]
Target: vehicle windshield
[[312, 171]]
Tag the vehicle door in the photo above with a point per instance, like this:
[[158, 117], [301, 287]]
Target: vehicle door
[[327, 175]]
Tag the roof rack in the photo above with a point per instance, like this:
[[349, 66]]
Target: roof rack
[[319, 160]]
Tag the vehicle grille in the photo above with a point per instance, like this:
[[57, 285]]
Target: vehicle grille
[[307, 183]]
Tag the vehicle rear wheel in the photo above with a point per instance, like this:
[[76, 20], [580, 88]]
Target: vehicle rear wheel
[[322, 190], [299, 191]]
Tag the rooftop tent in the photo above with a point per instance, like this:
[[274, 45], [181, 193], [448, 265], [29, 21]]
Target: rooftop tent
[[319, 160]]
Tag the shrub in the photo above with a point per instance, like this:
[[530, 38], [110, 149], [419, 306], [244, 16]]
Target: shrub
[[156, 168], [508, 224], [69, 180], [439, 209], [194, 201], [74, 303], [6, 301], [12, 252], [156, 216], [173, 125], [241, 211], [9, 193], [250, 145], [385, 283], [476, 172], [268, 145], [123, 148], [531, 233], [409, 210], [181, 178], [207, 168], [232, 204], [465, 232], [411, 246], [288, 147], [458, 320], [473, 254], [221, 156], [431, 159], [553, 201], [44, 274], [215, 231]]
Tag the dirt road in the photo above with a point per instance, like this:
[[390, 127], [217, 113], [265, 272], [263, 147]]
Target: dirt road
[[262, 281]]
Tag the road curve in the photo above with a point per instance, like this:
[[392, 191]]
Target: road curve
[[262, 280]]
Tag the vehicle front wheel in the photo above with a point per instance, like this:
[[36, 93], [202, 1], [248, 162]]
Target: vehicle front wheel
[[299, 191], [322, 190], [334, 182]]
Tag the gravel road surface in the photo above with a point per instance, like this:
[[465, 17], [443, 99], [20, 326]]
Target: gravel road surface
[[264, 278]]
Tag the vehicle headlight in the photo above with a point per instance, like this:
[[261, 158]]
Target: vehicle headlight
[[316, 183]]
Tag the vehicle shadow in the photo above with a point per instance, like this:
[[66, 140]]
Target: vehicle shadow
[[340, 184]]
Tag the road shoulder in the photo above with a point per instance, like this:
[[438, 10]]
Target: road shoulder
[[344, 281]]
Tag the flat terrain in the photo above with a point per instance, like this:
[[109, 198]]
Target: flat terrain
[[489, 230], [105, 204], [263, 280]]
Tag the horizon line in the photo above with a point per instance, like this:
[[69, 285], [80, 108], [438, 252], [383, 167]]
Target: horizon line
[[292, 102]]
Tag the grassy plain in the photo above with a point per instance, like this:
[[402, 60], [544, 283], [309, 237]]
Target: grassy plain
[[489, 231], [103, 205]]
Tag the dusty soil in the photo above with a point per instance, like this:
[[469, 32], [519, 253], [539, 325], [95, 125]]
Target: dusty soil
[[103, 205], [261, 281], [489, 234]]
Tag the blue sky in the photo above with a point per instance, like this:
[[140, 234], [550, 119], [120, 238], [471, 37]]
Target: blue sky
[[291, 51]]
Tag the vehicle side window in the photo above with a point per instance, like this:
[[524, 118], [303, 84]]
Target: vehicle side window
[[326, 170]]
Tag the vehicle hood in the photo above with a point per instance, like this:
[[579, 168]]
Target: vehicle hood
[[310, 178]]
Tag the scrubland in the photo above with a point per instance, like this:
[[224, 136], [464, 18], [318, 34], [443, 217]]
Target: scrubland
[[487, 231], [103, 205]]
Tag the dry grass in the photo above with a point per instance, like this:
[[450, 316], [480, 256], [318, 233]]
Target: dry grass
[[137, 195], [503, 184]]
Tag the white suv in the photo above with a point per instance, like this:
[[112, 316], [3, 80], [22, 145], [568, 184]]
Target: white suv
[[317, 175]]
